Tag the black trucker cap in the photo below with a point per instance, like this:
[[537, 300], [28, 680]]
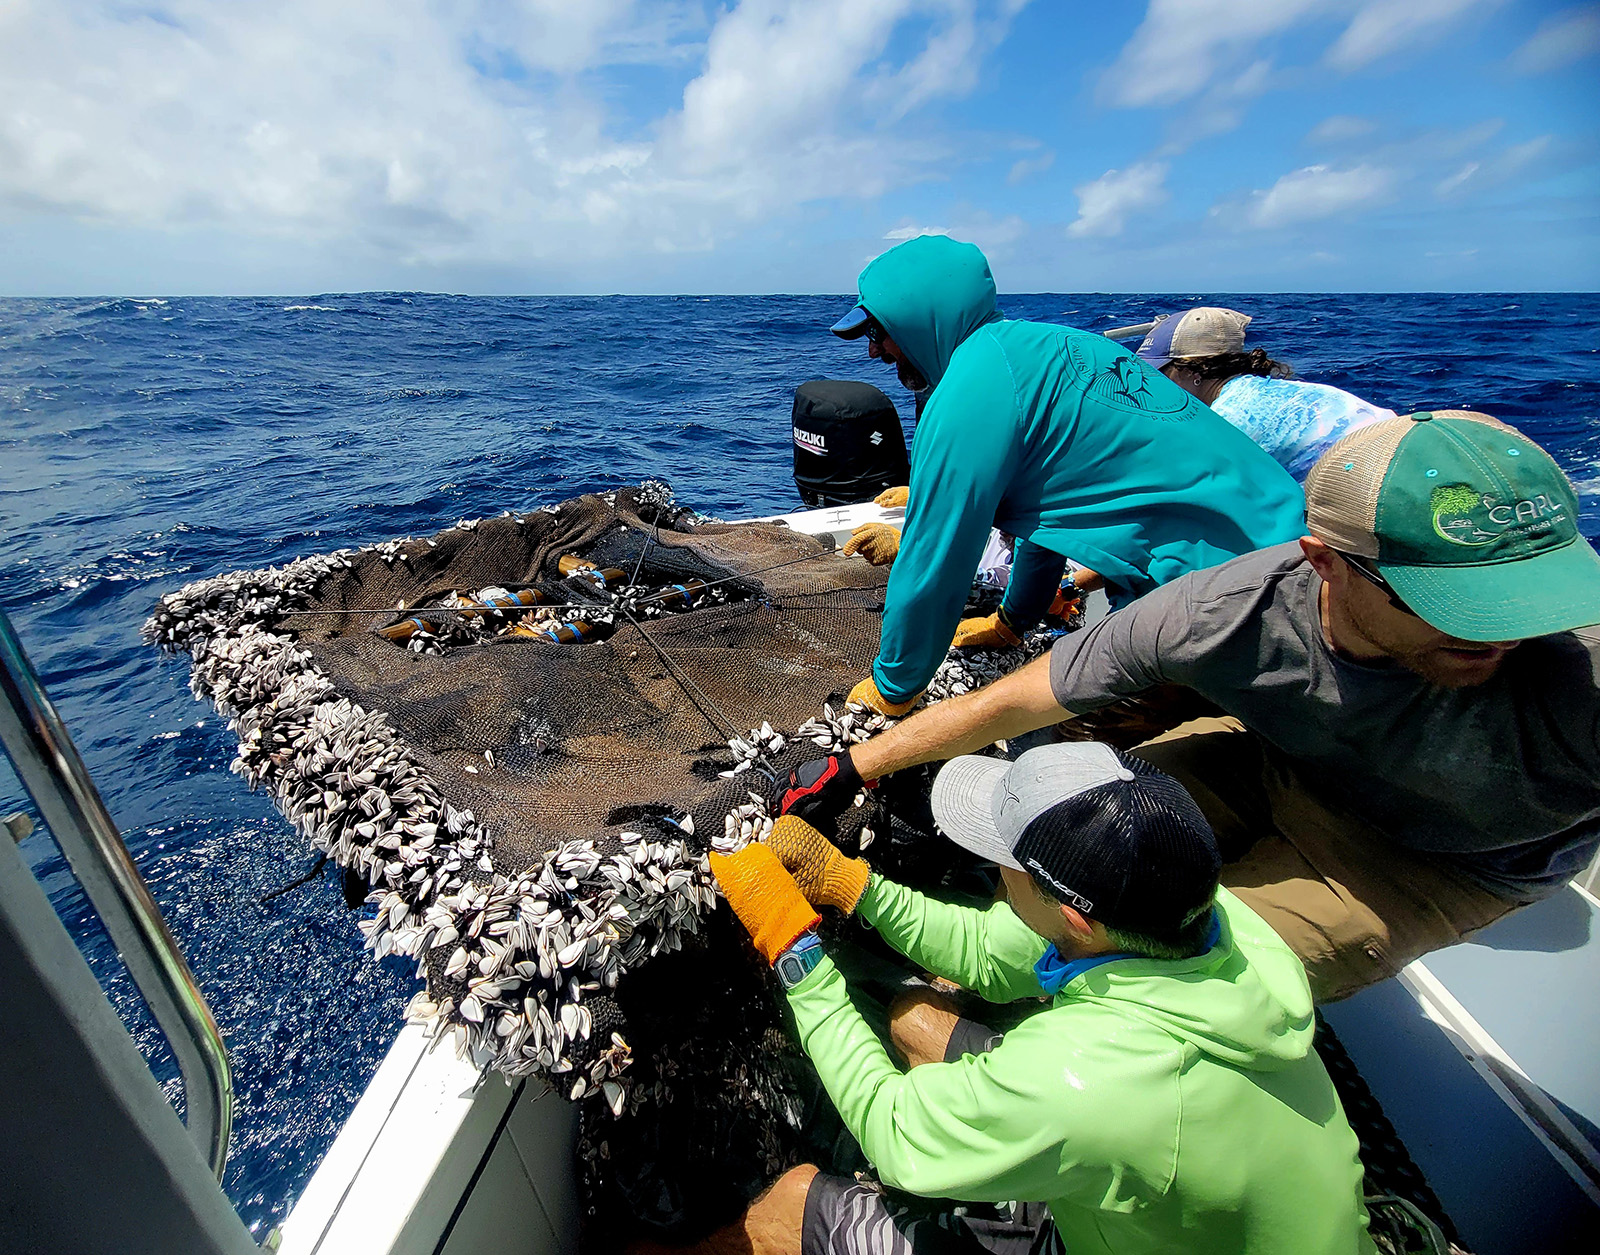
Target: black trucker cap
[[1122, 842]]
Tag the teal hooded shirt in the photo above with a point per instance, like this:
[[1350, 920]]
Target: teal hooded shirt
[[1056, 436]]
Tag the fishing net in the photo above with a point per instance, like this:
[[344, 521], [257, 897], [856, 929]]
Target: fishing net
[[584, 737], [523, 734]]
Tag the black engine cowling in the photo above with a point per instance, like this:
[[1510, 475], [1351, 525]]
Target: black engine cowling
[[848, 443]]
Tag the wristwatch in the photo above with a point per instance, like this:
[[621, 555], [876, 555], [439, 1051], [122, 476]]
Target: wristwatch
[[796, 963]]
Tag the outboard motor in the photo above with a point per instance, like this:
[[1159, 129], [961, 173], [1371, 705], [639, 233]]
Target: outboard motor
[[848, 444]]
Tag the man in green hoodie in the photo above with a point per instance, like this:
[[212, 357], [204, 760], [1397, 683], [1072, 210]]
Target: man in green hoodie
[[1056, 436], [1167, 1100]]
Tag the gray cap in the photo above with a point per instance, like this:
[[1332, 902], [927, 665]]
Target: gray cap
[[986, 804], [1110, 836]]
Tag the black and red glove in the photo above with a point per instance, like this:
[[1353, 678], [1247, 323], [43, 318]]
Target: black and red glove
[[822, 789]]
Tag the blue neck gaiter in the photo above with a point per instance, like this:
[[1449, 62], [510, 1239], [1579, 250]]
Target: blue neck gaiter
[[1054, 971]]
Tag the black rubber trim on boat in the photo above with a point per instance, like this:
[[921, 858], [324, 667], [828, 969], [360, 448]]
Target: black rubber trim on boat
[[1390, 1170], [483, 1162]]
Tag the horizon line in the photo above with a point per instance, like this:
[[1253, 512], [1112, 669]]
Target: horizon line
[[433, 292]]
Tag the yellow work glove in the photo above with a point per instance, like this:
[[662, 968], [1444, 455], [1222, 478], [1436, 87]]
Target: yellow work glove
[[889, 498], [866, 694], [876, 542], [764, 897], [819, 867], [988, 632]]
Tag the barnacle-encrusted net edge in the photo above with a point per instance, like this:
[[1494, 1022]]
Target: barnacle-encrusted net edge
[[533, 817]]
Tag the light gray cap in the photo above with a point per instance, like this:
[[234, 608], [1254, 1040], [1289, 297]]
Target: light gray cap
[[985, 804], [1201, 332]]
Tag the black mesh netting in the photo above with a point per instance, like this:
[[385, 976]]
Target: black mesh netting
[[578, 731]]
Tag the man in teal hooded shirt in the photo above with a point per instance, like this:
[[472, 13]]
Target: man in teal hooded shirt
[[1056, 436]]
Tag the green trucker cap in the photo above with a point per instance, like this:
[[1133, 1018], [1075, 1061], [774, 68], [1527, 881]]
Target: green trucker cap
[[1472, 524]]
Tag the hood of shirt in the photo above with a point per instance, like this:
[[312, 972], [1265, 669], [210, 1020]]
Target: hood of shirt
[[930, 294], [1244, 1002]]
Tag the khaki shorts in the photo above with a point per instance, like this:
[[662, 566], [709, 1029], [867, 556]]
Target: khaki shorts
[[1353, 905]]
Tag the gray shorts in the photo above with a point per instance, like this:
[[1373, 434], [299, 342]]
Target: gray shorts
[[969, 1037], [845, 1217], [848, 1217]]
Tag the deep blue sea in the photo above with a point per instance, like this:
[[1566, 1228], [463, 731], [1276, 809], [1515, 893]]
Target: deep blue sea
[[145, 443]]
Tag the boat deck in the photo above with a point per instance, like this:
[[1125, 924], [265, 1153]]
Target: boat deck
[[1483, 1058]]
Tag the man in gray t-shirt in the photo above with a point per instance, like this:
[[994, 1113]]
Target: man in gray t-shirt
[[1412, 746]]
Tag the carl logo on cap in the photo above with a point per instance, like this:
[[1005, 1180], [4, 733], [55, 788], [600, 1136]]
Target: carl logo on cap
[[1465, 516], [1473, 525]]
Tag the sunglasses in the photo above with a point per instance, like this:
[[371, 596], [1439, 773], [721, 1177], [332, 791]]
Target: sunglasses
[[875, 332], [1360, 567]]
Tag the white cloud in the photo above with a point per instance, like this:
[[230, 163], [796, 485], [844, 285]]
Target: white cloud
[[1442, 145], [1520, 155], [1027, 167], [1105, 205], [1219, 109], [1182, 45], [546, 34], [1454, 183], [479, 132], [785, 81], [1492, 170], [1340, 128], [368, 120], [1317, 192], [950, 63], [1452, 164], [773, 71], [1562, 39], [995, 236], [1387, 26]]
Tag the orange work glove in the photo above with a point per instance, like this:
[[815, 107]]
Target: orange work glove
[[988, 632], [866, 694], [889, 498], [876, 542], [764, 897], [1066, 601], [819, 867]]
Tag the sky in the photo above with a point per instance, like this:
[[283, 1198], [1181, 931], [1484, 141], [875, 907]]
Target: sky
[[594, 146]]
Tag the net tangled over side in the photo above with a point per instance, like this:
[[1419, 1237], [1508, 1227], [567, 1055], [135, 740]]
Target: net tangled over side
[[533, 815]]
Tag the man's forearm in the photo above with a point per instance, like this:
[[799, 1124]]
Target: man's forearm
[[989, 951], [1019, 703], [1035, 577]]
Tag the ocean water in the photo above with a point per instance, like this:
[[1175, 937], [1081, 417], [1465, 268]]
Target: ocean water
[[145, 443]]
